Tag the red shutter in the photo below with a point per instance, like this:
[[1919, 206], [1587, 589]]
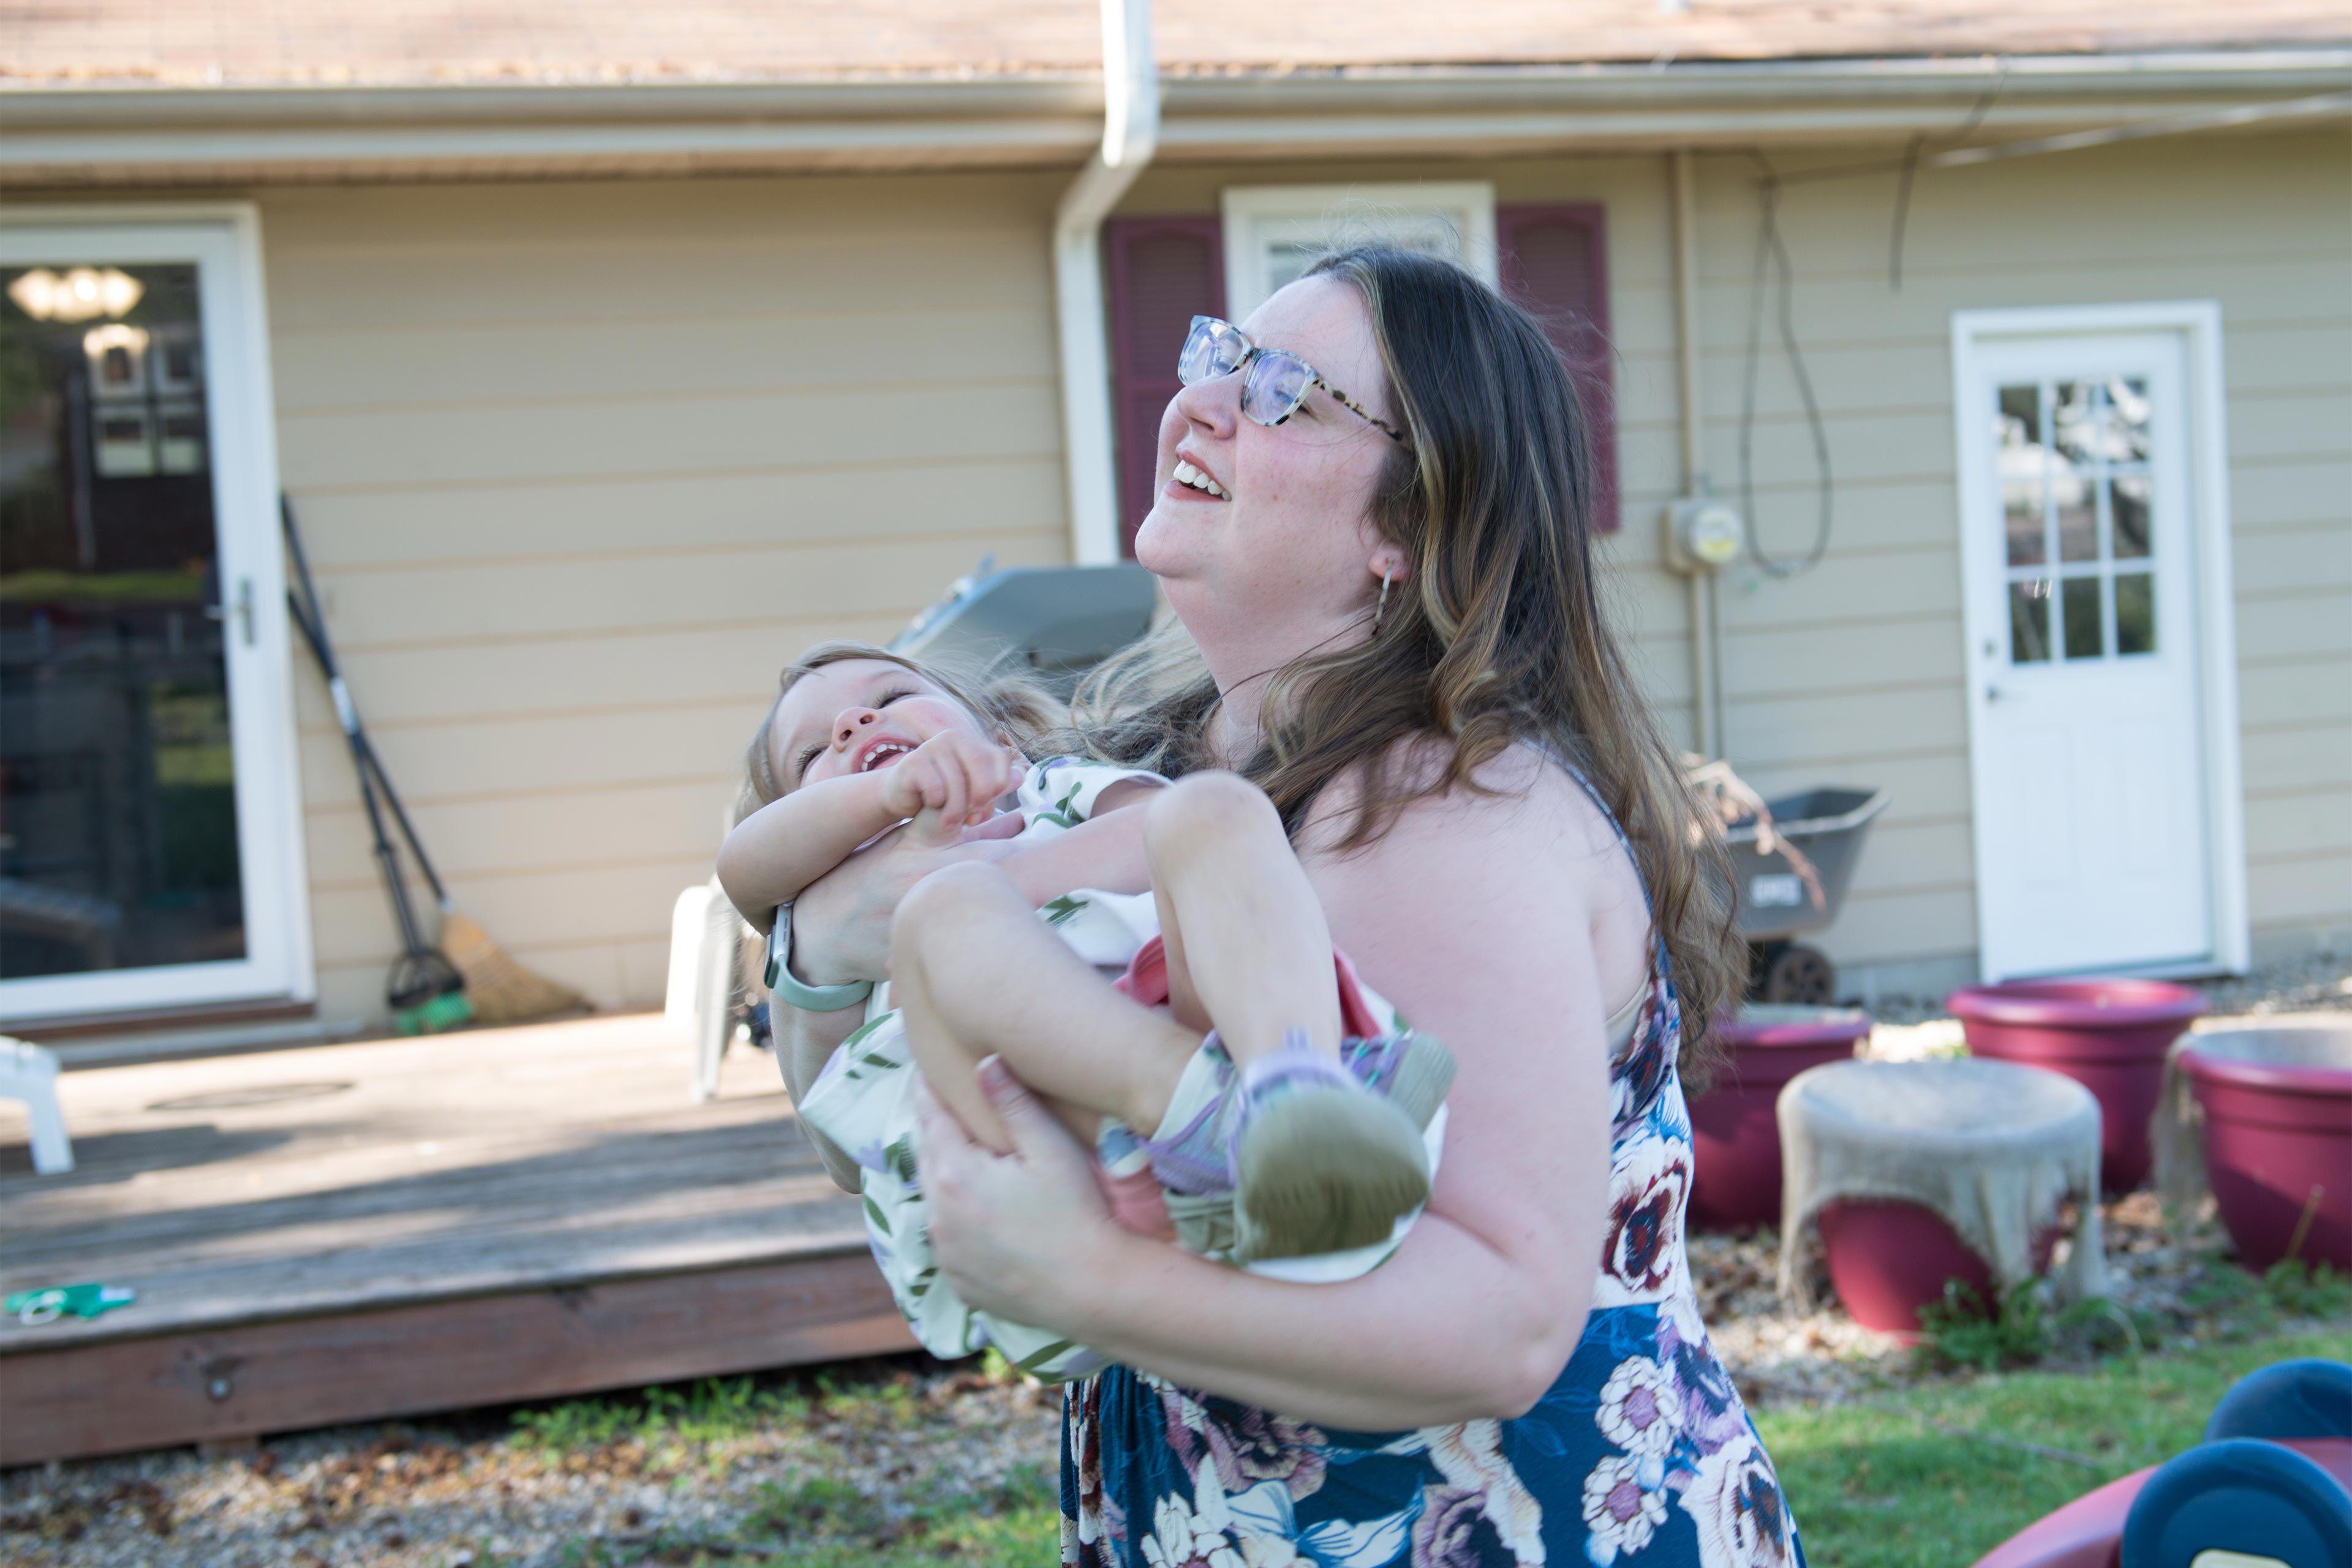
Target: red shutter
[[1554, 261], [1162, 272]]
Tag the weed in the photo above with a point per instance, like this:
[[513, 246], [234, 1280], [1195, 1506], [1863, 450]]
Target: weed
[[711, 1411], [816, 1505], [1963, 1330], [2299, 1289]]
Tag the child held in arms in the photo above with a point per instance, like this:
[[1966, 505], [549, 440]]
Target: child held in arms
[[1147, 955]]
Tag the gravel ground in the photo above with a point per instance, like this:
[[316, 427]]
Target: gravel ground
[[862, 1451], [2312, 981], [879, 1452]]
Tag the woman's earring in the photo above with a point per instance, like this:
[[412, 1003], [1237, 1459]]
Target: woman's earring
[[1381, 608]]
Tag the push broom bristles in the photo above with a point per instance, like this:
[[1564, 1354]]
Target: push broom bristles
[[501, 990]]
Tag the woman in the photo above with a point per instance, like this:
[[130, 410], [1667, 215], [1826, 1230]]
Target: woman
[[1384, 563]]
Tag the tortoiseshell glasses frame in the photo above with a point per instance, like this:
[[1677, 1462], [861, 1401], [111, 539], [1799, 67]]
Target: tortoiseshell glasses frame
[[1278, 380]]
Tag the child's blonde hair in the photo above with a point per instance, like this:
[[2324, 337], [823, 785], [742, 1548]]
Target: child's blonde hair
[[1019, 708]]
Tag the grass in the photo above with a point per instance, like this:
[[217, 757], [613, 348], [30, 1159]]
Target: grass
[[1874, 1486], [1924, 1478]]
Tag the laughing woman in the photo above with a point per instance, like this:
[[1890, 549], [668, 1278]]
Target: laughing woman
[[1374, 529]]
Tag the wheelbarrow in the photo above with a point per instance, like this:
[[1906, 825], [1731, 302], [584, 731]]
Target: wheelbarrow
[[1781, 896]]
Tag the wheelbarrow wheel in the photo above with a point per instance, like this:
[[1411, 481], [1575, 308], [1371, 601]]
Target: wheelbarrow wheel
[[1800, 974]]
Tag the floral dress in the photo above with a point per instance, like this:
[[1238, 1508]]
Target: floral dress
[[1640, 1454]]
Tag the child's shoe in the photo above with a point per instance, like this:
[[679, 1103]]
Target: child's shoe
[[1309, 1156], [1321, 1163]]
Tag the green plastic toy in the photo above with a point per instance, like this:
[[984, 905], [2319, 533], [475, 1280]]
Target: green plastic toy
[[34, 1307]]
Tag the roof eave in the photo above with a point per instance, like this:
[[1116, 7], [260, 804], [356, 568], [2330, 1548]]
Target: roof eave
[[112, 133]]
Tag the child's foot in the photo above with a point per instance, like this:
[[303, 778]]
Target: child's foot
[[1321, 1163], [1195, 1152], [1411, 1071]]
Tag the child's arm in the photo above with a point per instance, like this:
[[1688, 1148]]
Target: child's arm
[[787, 844], [1105, 851]]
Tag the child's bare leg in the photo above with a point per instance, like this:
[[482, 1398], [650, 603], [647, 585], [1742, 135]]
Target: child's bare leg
[[975, 972], [1319, 1163], [1247, 945]]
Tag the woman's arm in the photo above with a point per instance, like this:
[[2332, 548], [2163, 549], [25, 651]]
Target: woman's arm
[[1475, 915], [804, 1042], [841, 933]]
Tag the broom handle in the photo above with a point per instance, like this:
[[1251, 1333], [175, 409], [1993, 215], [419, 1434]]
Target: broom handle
[[407, 829], [312, 623]]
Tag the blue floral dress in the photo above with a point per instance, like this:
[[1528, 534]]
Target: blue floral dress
[[1641, 1453]]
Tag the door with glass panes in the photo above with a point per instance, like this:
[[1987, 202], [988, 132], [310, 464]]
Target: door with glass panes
[[2093, 850], [149, 851]]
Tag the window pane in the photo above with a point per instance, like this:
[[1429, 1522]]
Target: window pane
[[2029, 621], [2078, 516], [2085, 638], [118, 783], [2132, 410], [2076, 410], [2136, 612], [2130, 497], [2021, 461]]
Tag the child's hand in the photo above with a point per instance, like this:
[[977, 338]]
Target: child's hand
[[952, 774]]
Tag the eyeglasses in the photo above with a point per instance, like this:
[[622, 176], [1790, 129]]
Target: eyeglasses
[[1278, 380]]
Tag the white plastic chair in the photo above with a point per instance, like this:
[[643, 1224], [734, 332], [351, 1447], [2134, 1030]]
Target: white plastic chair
[[706, 941], [30, 1074]]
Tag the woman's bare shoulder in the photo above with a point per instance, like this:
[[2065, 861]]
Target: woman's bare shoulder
[[1521, 795]]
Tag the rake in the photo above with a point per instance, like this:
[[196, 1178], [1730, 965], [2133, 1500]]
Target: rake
[[468, 975]]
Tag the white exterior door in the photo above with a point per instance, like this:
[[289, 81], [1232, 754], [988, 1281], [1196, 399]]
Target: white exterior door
[[2093, 734], [151, 853]]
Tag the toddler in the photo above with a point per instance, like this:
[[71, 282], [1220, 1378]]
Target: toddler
[[1259, 1107]]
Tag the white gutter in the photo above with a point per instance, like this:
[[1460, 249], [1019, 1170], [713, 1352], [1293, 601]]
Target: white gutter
[[1130, 136], [72, 134]]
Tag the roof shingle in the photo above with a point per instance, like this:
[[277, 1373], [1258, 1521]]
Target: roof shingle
[[260, 42]]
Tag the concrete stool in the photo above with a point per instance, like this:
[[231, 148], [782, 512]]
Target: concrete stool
[[30, 1074], [1991, 1150]]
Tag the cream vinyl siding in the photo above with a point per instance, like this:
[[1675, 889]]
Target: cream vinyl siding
[[580, 464], [1852, 673]]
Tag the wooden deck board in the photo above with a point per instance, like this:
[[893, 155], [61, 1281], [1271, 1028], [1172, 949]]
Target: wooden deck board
[[401, 1209]]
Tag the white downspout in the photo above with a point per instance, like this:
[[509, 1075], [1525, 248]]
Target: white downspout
[[1706, 715], [1130, 136]]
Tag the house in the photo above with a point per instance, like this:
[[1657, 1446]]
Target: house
[[609, 353]]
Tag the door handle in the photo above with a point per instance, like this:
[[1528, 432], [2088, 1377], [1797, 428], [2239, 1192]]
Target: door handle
[[1992, 693], [244, 609]]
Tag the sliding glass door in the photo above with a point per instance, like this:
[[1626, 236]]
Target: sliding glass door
[[150, 849]]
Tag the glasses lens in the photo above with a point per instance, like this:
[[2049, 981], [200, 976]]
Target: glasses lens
[[1210, 349], [1276, 386]]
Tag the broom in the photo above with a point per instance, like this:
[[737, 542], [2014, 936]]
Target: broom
[[498, 989]]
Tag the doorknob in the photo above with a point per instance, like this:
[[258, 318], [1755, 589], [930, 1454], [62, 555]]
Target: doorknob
[[1992, 693]]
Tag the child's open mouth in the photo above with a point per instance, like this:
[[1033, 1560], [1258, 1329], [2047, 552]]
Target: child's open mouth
[[880, 752]]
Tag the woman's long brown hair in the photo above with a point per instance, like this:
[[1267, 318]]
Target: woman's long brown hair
[[1501, 638]]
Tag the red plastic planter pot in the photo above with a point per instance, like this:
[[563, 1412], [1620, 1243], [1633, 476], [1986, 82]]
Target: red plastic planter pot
[[2109, 1036], [2278, 1125], [1886, 1260], [1734, 1137]]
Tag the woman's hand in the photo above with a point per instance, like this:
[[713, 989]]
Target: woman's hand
[[841, 922], [1012, 1231]]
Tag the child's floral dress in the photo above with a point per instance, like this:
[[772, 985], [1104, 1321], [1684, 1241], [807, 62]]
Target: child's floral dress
[[1641, 1455]]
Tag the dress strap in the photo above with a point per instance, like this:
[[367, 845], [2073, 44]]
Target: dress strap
[[1657, 938]]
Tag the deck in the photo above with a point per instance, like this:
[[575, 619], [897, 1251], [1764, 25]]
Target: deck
[[342, 1233]]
